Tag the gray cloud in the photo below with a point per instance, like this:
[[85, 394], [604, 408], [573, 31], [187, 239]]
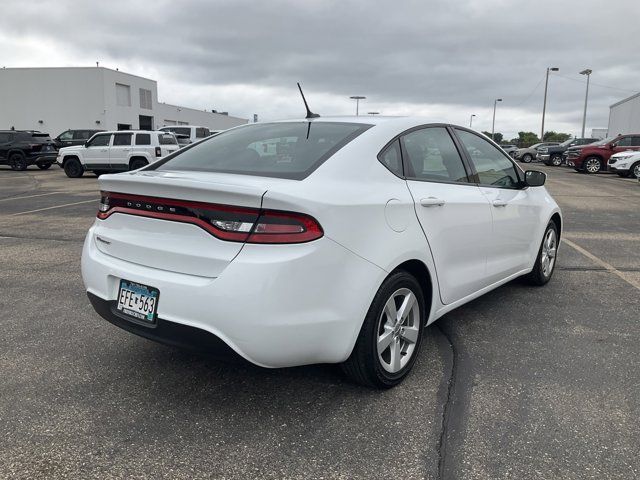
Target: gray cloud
[[430, 57]]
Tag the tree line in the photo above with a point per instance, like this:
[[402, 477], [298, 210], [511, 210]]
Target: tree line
[[526, 139]]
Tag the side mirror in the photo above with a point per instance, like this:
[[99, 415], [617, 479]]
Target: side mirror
[[534, 178], [612, 145]]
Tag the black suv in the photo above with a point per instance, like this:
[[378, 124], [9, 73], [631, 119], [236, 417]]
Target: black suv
[[552, 156], [21, 148], [69, 138]]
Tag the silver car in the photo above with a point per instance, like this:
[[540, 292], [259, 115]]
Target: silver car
[[527, 155]]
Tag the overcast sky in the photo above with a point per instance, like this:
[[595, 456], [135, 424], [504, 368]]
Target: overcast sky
[[442, 59]]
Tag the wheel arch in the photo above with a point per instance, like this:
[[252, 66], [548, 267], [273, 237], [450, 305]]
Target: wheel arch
[[138, 156], [557, 219], [423, 275], [69, 157]]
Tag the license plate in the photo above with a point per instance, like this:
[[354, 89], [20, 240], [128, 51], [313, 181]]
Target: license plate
[[138, 301]]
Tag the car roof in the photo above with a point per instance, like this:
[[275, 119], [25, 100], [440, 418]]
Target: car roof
[[130, 131]]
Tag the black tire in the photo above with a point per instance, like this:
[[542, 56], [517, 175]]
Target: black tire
[[18, 162], [364, 365], [592, 165], [538, 276], [527, 158], [43, 166], [137, 163], [624, 174], [635, 170], [555, 160], [73, 168]]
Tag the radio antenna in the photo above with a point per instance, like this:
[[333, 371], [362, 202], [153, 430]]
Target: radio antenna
[[310, 114]]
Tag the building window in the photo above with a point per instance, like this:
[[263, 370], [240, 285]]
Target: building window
[[123, 95], [145, 99]]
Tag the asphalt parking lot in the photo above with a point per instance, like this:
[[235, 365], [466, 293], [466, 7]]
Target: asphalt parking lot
[[521, 383]]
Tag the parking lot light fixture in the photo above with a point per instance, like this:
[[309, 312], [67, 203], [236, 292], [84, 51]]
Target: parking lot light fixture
[[588, 73], [374, 113], [544, 103], [357, 98], [493, 123], [471, 119]]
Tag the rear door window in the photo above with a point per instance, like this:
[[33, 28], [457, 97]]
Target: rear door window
[[143, 139], [283, 150], [122, 139], [431, 155]]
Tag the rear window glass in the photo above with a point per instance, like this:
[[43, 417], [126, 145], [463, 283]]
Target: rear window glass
[[167, 139], [282, 150], [180, 130], [143, 139], [202, 132]]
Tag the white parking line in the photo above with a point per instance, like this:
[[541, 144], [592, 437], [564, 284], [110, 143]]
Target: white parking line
[[30, 196], [94, 200], [610, 268]]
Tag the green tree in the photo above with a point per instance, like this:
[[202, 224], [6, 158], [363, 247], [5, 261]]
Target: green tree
[[552, 136], [497, 137], [526, 139]]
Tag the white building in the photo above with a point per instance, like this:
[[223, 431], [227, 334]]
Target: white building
[[599, 133], [624, 116], [53, 100]]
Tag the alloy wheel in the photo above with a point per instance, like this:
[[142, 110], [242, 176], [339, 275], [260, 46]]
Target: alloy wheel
[[398, 330], [636, 170], [556, 160], [592, 165], [549, 248]]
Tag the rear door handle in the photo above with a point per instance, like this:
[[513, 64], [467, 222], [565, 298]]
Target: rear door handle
[[431, 202], [499, 203]]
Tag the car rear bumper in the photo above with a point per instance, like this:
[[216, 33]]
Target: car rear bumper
[[274, 305]]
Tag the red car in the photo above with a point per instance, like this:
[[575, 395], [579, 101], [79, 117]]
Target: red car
[[594, 157]]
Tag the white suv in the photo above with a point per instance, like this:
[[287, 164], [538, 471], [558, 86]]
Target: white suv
[[626, 164], [116, 152], [194, 133]]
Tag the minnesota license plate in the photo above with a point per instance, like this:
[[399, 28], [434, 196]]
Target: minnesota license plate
[[138, 301]]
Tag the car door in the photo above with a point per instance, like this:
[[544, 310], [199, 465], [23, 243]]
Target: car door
[[96, 152], [5, 143], [120, 151], [628, 142], [453, 213], [514, 212], [65, 139]]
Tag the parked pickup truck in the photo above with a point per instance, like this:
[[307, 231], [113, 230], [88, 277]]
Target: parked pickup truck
[[552, 155], [594, 157], [119, 151]]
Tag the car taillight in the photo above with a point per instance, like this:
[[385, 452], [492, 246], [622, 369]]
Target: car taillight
[[158, 152], [226, 222]]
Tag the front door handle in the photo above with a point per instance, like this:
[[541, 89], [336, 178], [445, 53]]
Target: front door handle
[[431, 202], [499, 203]]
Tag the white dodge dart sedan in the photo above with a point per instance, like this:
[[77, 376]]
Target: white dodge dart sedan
[[323, 240]]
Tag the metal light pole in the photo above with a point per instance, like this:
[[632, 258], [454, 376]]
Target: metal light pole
[[357, 98], [588, 73], [471, 119], [493, 124], [544, 105]]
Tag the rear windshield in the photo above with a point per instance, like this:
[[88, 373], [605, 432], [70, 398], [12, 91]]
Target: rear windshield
[[40, 137], [282, 150], [167, 139], [180, 130]]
